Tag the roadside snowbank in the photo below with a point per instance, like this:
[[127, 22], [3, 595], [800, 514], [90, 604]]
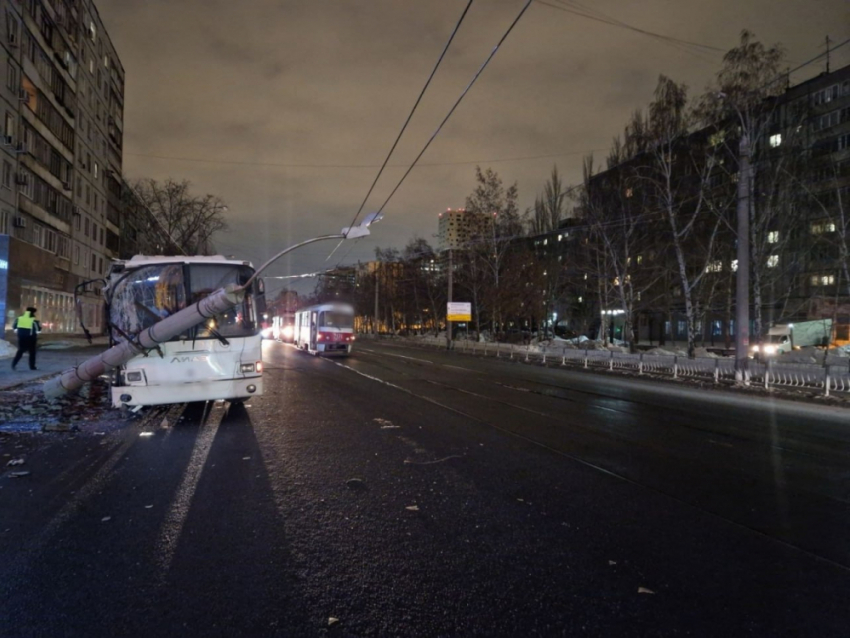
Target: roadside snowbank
[[7, 350]]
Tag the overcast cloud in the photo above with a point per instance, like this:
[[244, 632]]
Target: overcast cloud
[[320, 88]]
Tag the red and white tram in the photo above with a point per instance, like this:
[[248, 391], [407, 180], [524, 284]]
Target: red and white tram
[[325, 329]]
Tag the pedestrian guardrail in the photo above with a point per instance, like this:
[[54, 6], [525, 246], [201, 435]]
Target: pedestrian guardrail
[[828, 377]]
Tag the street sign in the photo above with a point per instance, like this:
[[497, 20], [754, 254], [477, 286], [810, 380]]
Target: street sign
[[459, 311]]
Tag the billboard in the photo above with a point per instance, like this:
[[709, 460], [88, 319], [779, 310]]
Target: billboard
[[459, 311]]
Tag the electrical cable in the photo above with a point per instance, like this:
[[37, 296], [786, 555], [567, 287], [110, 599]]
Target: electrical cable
[[410, 115], [451, 111], [585, 12], [497, 160], [404, 127]]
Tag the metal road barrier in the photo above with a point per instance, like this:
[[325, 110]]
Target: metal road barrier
[[829, 377]]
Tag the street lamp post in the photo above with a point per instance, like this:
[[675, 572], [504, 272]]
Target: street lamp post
[[742, 276]]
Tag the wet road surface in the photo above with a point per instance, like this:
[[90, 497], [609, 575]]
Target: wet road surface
[[408, 492]]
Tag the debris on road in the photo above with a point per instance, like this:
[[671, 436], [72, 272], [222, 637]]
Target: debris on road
[[106, 519], [59, 427], [386, 424], [612, 562], [18, 474], [445, 458], [412, 508], [644, 590], [355, 484], [14, 462], [332, 621]]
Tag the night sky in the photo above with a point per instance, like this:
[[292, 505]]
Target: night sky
[[286, 108]]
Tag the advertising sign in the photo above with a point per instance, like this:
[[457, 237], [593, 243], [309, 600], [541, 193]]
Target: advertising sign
[[459, 311]]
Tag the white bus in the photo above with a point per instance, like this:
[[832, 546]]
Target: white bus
[[220, 359], [326, 329]]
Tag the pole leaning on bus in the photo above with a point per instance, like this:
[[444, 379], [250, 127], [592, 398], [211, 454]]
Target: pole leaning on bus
[[215, 304]]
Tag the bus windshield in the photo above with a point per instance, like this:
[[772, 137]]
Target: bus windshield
[[205, 279], [145, 295]]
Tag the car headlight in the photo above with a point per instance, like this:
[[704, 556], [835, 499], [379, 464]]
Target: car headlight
[[755, 348], [770, 349], [288, 332]]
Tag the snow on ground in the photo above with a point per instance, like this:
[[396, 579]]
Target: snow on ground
[[704, 353], [7, 350], [667, 353]]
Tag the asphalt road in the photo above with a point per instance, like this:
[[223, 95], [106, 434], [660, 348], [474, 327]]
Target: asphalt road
[[408, 492]]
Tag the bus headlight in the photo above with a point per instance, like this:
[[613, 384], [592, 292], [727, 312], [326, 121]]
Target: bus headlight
[[288, 332]]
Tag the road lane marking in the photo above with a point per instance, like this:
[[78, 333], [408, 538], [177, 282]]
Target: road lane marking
[[400, 356]]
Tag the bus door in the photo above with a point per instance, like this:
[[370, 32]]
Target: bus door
[[314, 329]]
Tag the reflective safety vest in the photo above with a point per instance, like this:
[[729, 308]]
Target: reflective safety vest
[[25, 322]]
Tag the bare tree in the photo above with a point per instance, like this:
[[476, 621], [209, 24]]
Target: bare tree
[[504, 224], [682, 199], [741, 105], [622, 226], [550, 207], [190, 220]]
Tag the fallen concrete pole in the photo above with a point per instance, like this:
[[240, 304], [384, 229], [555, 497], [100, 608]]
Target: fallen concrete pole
[[168, 328], [215, 304]]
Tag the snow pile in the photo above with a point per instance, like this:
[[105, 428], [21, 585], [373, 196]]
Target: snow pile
[[7, 350], [662, 352], [808, 354], [704, 353]]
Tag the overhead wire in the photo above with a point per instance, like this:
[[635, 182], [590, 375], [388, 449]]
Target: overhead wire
[[406, 122], [522, 158], [577, 9], [451, 111]]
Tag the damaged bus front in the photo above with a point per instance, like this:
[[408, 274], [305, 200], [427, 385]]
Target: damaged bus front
[[219, 359]]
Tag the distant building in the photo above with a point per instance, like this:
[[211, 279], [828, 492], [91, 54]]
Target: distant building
[[458, 226]]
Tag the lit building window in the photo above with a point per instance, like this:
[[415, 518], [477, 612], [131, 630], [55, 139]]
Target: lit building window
[[775, 140], [773, 237], [773, 261], [823, 227], [823, 280], [714, 266]]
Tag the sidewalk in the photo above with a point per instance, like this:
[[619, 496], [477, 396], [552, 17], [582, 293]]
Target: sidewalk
[[52, 358]]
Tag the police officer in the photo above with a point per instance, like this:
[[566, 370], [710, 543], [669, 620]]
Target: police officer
[[28, 329]]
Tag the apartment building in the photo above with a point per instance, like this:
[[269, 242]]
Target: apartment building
[[458, 226], [65, 210]]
